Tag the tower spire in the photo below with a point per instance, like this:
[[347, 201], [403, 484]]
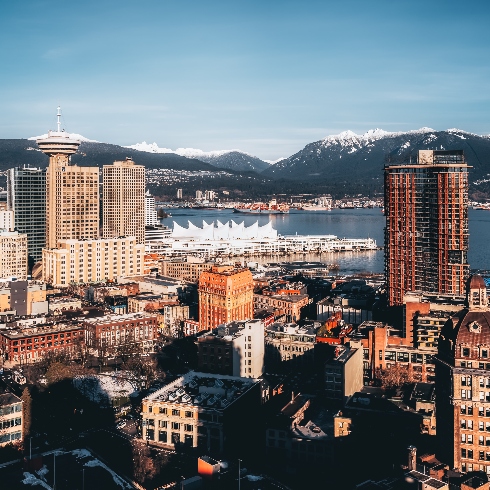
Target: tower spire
[[58, 115]]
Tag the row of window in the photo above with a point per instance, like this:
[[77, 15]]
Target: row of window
[[482, 412]]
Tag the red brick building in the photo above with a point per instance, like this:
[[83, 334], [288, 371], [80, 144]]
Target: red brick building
[[30, 344]]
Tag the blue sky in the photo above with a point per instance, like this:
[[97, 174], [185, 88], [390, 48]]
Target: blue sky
[[263, 76]]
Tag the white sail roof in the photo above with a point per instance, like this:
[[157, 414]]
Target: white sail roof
[[224, 231]]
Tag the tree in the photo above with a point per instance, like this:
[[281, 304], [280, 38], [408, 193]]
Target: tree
[[26, 411], [394, 376], [58, 371], [143, 466]]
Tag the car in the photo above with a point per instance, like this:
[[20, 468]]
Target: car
[[121, 424]]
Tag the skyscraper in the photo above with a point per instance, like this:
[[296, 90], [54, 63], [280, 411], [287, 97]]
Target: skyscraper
[[225, 295], [426, 234], [26, 197], [72, 192], [123, 207]]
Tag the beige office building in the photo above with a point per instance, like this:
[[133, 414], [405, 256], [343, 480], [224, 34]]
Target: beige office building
[[13, 255], [84, 261], [124, 200], [72, 192]]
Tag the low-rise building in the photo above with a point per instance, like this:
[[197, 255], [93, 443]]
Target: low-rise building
[[23, 297], [188, 269], [61, 304], [11, 422], [202, 410], [343, 372], [235, 348], [285, 306], [30, 344], [85, 261], [288, 343], [138, 330]]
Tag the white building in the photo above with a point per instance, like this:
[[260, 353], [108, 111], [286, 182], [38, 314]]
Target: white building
[[236, 348], [7, 220], [13, 255], [151, 215]]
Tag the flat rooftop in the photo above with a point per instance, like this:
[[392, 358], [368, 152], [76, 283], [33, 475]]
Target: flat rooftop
[[213, 391]]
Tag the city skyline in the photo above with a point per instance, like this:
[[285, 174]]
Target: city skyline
[[266, 79]]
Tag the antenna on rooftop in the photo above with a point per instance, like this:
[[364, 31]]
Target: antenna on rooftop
[[58, 115]]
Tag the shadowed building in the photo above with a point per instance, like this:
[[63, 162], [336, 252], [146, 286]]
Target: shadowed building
[[463, 384], [426, 234]]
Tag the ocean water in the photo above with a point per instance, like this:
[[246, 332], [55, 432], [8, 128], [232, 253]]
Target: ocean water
[[349, 223]]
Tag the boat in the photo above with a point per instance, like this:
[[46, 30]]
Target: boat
[[323, 203], [272, 207], [315, 207]]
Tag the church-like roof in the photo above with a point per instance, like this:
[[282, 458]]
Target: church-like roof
[[477, 282]]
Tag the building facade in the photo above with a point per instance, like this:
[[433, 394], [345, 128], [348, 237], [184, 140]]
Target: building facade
[[11, 421], [286, 306], [7, 220], [23, 298], [123, 200], [13, 255], [463, 384], [84, 261], [136, 331], [26, 197], [203, 411], [188, 269], [426, 233], [151, 215], [235, 348], [30, 344], [225, 295]]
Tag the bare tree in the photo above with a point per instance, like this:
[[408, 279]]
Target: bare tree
[[394, 376], [143, 465], [26, 411]]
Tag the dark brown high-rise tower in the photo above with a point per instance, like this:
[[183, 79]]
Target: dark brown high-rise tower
[[426, 234]]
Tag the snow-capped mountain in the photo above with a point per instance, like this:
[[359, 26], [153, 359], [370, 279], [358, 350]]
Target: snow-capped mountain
[[349, 156], [229, 159]]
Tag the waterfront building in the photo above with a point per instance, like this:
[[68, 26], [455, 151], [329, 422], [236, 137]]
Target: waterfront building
[[13, 255], [426, 234], [235, 348], [84, 261], [179, 194], [205, 411], [11, 420], [72, 192], [27, 344], [463, 384], [26, 198], [225, 295], [123, 200], [151, 215]]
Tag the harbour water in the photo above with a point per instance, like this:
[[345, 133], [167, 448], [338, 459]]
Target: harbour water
[[348, 223]]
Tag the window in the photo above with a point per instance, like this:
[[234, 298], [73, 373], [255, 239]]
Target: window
[[466, 351], [163, 410], [175, 425], [463, 453], [175, 413], [188, 414], [162, 424], [470, 453], [470, 410], [470, 424], [188, 427], [463, 409]]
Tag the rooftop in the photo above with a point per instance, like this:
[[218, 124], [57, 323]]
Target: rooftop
[[107, 319], [214, 391]]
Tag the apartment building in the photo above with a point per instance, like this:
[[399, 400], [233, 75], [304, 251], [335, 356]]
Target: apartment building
[[123, 200], [235, 348], [11, 422], [285, 306], [426, 234], [85, 261], [13, 255], [202, 410], [225, 295]]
